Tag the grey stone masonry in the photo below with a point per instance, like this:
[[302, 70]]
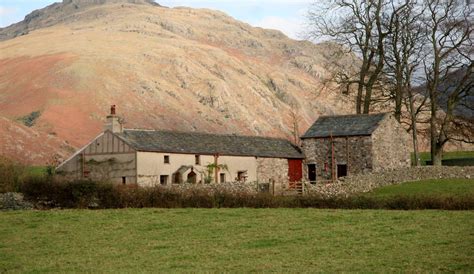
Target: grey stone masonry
[[391, 146], [366, 182], [272, 170], [386, 147], [355, 152]]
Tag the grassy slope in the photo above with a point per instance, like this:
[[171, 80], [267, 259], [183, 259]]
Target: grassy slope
[[427, 187], [449, 155], [236, 240]]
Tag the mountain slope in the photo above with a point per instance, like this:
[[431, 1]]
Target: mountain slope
[[178, 69]]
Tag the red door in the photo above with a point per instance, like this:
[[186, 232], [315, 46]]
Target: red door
[[295, 169]]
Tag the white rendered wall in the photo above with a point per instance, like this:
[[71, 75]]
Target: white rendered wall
[[150, 166]]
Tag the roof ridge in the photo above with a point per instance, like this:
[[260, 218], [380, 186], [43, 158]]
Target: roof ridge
[[345, 125], [207, 133], [356, 115]]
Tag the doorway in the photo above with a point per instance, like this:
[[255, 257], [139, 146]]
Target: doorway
[[295, 170], [312, 173], [192, 178]]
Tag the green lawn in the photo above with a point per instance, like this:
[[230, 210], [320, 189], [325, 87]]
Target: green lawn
[[427, 187], [238, 240], [466, 156], [36, 170]]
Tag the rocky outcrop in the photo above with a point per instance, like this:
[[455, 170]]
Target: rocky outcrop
[[58, 13], [165, 68]]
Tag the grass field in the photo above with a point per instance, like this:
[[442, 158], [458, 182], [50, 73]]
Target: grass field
[[462, 156], [427, 187], [239, 240], [36, 170]]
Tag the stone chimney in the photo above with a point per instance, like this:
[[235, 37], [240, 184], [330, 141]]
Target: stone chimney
[[113, 122]]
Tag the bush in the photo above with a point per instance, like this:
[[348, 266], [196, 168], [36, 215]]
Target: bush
[[47, 193], [77, 194], [11, 175]]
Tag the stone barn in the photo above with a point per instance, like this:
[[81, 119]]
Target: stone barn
[[151, 157], [336, 146]]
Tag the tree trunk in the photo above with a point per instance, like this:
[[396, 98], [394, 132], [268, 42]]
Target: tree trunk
[[398, 98], [367, 99], [435, 147], [414, 129], [437, 154], [360, 90]]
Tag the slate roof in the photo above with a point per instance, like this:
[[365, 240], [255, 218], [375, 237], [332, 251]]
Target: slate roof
[[344, 125], [209, 144]]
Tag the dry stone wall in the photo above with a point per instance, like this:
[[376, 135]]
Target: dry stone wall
[[366, 182], [13, 201], [211, 189]]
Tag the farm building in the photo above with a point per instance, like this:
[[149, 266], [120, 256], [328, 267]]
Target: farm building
[[335, 146], [150, 157]]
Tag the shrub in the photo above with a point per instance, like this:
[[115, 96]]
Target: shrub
[[47, 193], [75, 194], [11, 175]]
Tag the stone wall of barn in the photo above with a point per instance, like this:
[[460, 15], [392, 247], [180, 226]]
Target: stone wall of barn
[[272, 170], [391, 146], [355, 152]]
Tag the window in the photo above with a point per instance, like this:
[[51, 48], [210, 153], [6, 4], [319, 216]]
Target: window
[[124, 180], [242, 176], [222, 176], [312, 173], [166, 159], [164, 179], [177, 179], [341, 171], [197, 159]]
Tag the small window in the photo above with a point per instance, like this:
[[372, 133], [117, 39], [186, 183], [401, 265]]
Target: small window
[[197, 159], [341, 171], [242, 176], [164, 179], [222, 177], [166, 159], [124, 180]]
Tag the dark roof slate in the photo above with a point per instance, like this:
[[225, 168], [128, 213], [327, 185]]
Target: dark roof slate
[[210, 144], [344, 125]]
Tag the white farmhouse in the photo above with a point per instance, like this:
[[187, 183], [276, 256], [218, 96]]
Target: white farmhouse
[[151, 157]]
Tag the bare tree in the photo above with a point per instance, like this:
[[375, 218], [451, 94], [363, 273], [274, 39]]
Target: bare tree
[[404, 52], [362, 27], [295, 121], [449, 51]]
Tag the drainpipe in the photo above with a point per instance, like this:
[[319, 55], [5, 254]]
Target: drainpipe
[[216, 168], [333, 162]]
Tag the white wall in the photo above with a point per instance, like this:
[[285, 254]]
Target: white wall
[[106, 157], [150, 165]]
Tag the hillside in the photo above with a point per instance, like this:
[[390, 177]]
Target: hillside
[[168, 68]]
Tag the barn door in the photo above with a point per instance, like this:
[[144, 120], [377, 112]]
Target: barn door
[[295, 169]]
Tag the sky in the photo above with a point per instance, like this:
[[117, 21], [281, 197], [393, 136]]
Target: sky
[[287, 16]]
